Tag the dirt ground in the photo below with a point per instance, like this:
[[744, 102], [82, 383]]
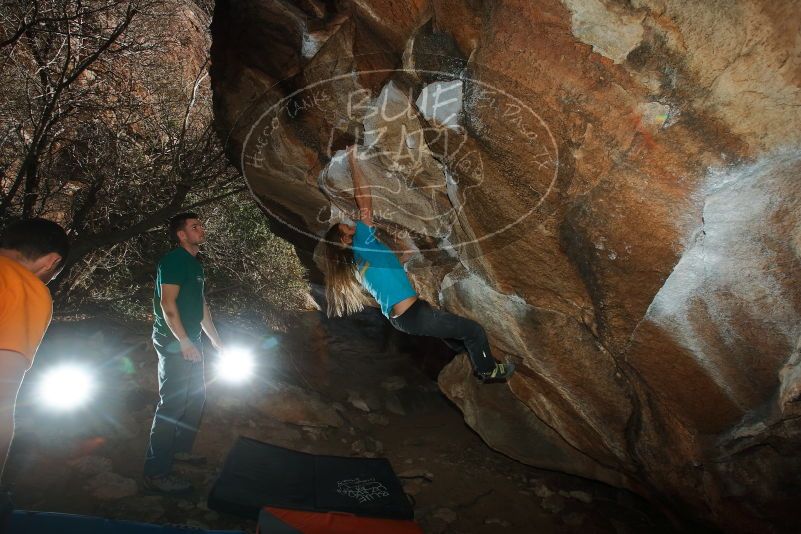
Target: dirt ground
[[331, 387]]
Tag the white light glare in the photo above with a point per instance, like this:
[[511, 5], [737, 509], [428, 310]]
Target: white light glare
[[235, 365], [65, 387]]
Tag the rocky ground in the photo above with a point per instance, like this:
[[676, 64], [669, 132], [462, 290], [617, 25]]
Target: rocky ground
[[332, 387]]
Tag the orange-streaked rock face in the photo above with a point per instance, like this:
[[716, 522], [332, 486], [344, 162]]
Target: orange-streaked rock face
[[613, 191]]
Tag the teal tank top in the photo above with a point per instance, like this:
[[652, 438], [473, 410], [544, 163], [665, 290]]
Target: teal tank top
[[381, 273]]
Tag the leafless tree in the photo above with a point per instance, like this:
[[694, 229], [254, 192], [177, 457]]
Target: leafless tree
[[93, 113], [54, 45], [106, 126]]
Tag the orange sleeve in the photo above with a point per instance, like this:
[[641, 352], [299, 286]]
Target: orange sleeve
[[25, 311]]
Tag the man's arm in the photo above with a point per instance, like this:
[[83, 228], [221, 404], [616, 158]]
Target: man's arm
[[169, 296], [361, 190], [12, 368], [208, 326]]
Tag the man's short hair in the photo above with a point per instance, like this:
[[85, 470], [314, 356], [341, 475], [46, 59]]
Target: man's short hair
[[178, 223], [34, 238]]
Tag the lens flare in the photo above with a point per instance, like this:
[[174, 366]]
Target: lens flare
[[127, 365], [66, 387], [235, 365], [269, 343]]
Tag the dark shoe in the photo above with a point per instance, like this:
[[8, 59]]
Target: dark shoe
[[167, 485], [501, 373], [189, 458]]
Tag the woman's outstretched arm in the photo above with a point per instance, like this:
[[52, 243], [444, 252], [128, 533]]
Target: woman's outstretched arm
[[361, 190]]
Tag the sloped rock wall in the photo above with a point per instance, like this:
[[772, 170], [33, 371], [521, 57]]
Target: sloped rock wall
[[613, 189]]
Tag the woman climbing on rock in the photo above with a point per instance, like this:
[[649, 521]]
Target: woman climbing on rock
[[355, 258]]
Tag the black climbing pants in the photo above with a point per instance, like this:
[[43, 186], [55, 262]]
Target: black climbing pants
[[458, 332]]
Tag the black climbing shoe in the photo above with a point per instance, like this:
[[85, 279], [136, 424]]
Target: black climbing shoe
[[501, 373]]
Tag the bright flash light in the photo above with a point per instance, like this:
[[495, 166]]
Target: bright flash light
[[235, 365], [66, 387]]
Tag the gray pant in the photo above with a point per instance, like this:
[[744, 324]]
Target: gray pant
[[182, 392]]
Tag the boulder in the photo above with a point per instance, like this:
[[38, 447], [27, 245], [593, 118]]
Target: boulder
[[611, 189]]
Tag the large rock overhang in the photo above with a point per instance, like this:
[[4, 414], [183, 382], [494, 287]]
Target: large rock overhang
[[613, 192]]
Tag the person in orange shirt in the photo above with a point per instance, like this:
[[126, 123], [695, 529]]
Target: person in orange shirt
[[32, 253]]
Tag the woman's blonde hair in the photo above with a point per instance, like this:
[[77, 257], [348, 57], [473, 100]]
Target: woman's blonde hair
[[343, 290]]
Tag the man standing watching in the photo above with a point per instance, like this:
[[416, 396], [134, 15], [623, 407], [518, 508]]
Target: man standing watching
[[181, 314], [32, 253]]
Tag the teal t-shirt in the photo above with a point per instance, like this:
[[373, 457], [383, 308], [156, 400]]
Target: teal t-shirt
[[180, 268], [381, 272]]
